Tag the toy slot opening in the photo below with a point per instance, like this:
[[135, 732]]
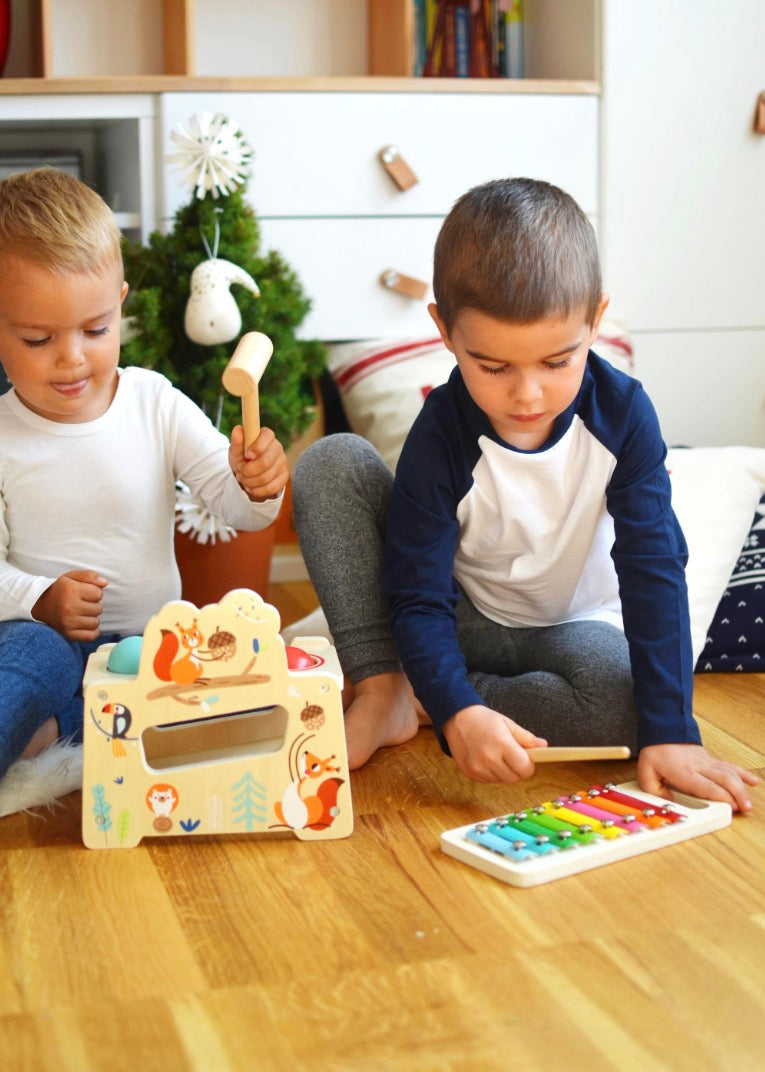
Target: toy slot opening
[[217, 737]]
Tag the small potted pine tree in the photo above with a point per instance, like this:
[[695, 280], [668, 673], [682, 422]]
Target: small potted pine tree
[[212, 254]]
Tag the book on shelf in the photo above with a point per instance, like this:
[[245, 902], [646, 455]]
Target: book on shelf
[[461, 16], [420, 37], [469, 38], [482, 53], [513, 27]]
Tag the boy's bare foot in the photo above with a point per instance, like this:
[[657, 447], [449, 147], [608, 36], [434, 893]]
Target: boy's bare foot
[[382, 712], [42, 739]]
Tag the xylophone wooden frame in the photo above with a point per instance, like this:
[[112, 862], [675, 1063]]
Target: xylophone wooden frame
[[701, 817]]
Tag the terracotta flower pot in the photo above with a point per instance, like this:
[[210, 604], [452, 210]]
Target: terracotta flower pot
[[210, 570]]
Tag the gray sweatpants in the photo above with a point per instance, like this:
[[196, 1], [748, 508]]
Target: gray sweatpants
[[569, 683]]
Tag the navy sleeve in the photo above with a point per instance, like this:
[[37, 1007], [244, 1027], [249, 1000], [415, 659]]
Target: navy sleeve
[[650, 554]]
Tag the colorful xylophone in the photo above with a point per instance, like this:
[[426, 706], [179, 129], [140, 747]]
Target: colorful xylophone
[[580, 831]]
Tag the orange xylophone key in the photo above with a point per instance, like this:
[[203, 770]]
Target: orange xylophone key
[[626, 823], [636, 811]]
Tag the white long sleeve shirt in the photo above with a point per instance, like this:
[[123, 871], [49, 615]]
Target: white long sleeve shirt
[[101, 496]]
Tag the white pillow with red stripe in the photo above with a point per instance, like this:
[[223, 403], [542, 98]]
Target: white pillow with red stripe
[[383, 382]]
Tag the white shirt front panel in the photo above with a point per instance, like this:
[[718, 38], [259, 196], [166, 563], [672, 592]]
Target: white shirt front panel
[[535, 535]]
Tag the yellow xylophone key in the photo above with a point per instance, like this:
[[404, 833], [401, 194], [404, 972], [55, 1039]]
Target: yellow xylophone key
[[576, 818]]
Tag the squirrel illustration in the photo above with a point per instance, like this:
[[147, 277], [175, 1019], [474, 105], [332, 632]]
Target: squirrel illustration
[[184, 670], [310, 805]]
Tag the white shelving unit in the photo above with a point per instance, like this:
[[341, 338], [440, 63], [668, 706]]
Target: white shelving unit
[[93, 77], [267, 38], [114, 136]]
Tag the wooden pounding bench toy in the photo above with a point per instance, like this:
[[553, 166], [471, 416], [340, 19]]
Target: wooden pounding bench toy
[[580, 831], [209, 724]]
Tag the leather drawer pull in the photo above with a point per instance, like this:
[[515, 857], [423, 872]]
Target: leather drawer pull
[[759, 115], [404, 284], [398, 169]]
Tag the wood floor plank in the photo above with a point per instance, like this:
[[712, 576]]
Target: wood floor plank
[[725, 745], [85, 923], [103, 1034], [733, 702]]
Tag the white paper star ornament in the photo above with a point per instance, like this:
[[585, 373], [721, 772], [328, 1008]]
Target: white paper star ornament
[[212, 154]]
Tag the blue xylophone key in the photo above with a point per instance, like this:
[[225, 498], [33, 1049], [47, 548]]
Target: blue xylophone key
[[517, 850], [538, 842]]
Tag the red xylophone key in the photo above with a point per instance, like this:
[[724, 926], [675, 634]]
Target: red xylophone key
[[667, 811]]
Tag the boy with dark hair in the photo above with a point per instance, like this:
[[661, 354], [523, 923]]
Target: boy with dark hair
[[531, 561]]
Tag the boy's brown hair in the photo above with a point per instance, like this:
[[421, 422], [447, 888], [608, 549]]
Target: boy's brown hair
[[52, 219], [517, 250]]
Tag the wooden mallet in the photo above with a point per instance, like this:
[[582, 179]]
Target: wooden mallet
[[241, 377], [577, 754]]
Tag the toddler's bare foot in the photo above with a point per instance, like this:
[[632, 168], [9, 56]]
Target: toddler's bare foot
[[382, 712], [42, 739]]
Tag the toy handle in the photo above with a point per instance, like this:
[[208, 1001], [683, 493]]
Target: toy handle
[[242, 375]]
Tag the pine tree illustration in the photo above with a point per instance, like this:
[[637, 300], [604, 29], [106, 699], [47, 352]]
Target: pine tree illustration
[[249, 803]]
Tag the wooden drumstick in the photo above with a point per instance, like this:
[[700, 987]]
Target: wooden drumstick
[[242, 375], [569, 755]]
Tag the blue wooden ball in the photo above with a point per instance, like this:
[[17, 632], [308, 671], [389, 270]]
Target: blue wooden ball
[[125, 655]]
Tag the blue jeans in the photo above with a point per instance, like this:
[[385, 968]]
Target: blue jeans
[[40, 676]]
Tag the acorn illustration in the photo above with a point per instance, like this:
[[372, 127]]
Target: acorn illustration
[[222, 645], [312, 716]]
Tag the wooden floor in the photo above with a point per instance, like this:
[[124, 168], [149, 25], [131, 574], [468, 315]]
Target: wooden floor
[[379, 952]]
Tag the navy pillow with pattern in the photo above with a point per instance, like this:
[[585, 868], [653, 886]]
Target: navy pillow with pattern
[[736, 637]]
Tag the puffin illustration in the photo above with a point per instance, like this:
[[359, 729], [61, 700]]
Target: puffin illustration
[[121, 719], [212, 316]]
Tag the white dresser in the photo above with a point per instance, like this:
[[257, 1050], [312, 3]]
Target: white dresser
[[683, 226], [325, 201]]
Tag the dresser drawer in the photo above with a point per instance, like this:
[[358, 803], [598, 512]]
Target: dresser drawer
[[316, 154], [339, 263]]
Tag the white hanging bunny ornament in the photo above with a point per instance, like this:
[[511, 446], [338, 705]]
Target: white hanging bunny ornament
[[212, 315]]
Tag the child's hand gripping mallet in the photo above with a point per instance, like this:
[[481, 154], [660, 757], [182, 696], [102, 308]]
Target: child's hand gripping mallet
[[242, 375]]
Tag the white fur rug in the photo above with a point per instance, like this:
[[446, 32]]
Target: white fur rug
[[41, 780]]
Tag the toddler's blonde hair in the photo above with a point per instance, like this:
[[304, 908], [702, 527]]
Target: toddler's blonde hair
[[54, 220]]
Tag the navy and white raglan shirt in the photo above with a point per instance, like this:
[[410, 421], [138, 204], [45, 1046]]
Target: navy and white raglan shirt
[[581, 529]]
